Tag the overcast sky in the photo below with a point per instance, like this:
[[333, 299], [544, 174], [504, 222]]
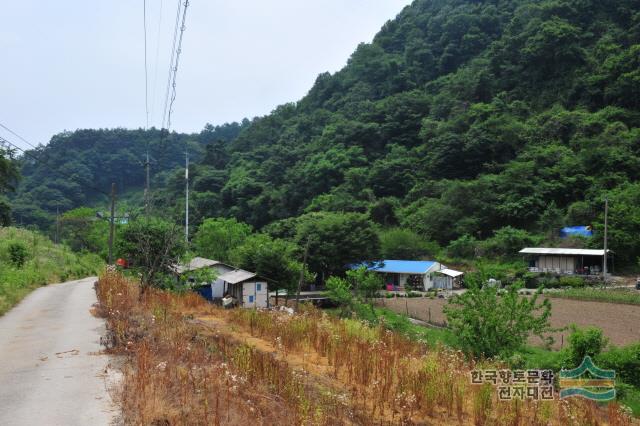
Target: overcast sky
[[70, 64]]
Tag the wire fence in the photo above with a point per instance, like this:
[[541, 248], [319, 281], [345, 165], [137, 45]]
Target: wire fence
[[420, 308]]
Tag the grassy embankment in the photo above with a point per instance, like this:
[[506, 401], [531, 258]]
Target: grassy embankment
[[29, 260], [192, 363]]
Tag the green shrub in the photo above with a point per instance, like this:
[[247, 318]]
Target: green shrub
[[399, 243], [625, 361], [508, 241], [585, 341], [18, 254], [464, 247], [573, 282], [413, 294], [48, 263], [490, 321], [339, 291]]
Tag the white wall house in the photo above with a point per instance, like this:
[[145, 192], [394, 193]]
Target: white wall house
[[213, 290], [249, 290], [397, 272]]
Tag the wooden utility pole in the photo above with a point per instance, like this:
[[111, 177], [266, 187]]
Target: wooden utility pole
[[304, 264], [112, 222], [57, 225], [146, 186], [606, 224]]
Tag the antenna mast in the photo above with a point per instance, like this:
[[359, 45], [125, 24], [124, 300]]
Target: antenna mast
[[186, 190], [604, 261]]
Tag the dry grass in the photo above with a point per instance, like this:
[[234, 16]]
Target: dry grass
[[272, 368], [178, 374]]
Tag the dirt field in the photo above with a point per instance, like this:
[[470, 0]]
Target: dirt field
[[620, 323]]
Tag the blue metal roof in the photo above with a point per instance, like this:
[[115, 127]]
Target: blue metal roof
[[401, 266]]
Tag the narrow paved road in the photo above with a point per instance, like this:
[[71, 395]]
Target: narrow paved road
[[50, 369]]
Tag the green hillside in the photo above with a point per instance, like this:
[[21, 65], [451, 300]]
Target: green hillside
[[29, 260], [461, 118], [74, 166]]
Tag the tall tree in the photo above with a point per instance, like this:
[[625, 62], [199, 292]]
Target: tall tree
[[8, 178]]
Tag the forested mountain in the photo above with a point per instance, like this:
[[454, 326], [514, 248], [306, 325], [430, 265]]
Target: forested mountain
[[460, 118], [74, 166]]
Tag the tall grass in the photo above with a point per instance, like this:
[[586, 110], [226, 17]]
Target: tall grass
[[182, 371], [45, 263], [398, 380]]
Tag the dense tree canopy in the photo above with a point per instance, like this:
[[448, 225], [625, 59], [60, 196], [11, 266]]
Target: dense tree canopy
[[460, 118], [8, 178]]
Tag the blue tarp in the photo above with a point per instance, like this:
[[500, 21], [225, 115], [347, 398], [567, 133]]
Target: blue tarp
[[204, 291], [571, 231]]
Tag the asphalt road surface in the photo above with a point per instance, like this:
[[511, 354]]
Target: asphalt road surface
[[51, 372]]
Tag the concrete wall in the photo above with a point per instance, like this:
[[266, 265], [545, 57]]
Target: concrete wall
[[255, 294], [429, 278], [564, 263]]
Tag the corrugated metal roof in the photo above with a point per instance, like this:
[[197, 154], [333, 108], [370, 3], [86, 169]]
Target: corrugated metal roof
[[237, 276], [451, 272], [402, 266], [195, 264], [563, 251]]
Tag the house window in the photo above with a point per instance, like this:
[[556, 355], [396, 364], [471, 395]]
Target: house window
[[258, 287], [250, 299]]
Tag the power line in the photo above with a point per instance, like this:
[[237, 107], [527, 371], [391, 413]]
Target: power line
[[173, 52], [18, 136], [175, 70], [146, 71], [39, 160]]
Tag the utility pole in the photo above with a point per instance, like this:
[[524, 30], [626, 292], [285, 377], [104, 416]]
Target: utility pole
[[304, 264], [146, 186], [112, 222], [186, 189], [57, 225], [606, 224]]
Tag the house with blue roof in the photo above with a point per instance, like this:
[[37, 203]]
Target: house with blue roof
[[421, 274]]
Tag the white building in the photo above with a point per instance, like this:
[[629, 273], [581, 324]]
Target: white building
[[249, 290], [212, 290], [422, 273], [565, 260]]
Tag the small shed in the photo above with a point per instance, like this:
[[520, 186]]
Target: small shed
[[249, 290], [397, 273], [210, 290], [567, 261], [448, 279]]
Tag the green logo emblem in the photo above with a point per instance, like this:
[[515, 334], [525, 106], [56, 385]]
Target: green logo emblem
[[598, 386]]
